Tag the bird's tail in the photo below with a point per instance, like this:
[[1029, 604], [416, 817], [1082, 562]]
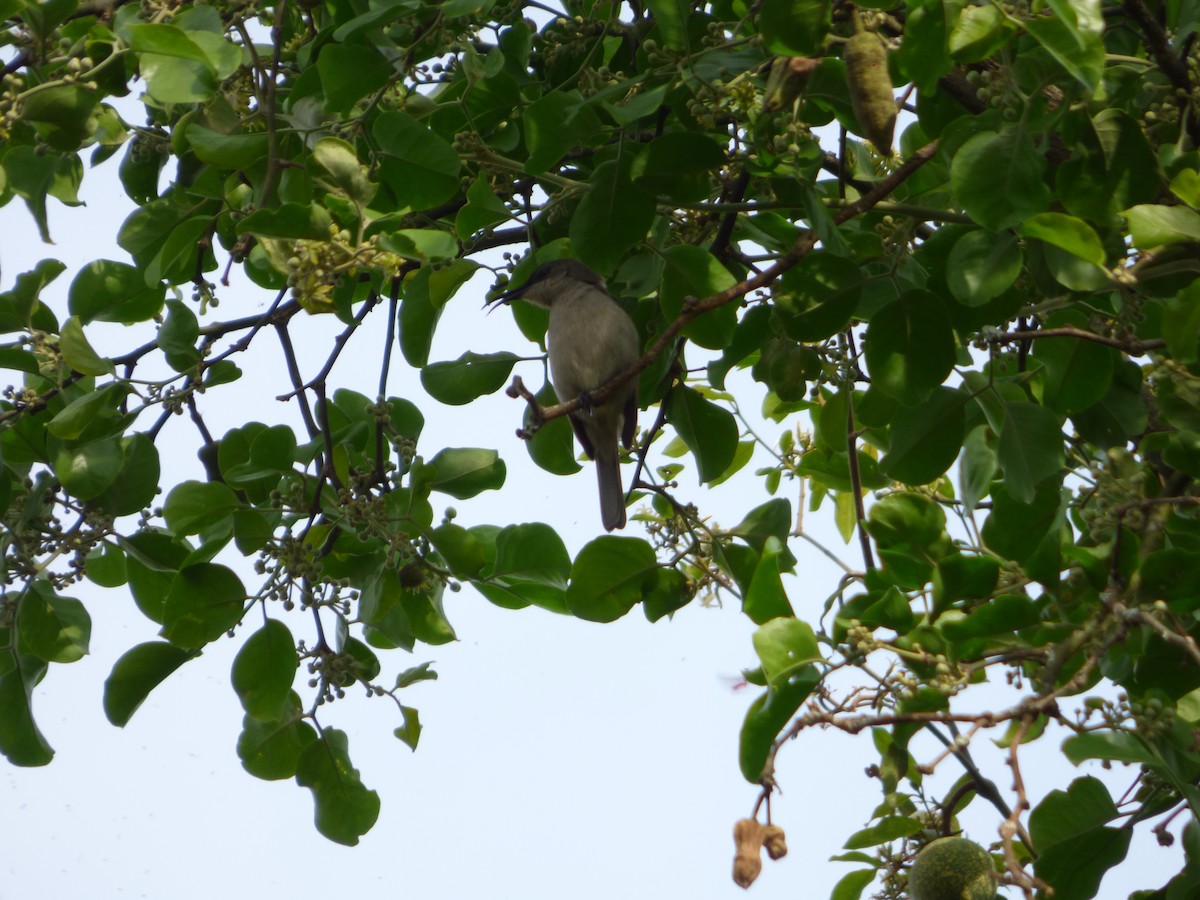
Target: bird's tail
[[612, 494]]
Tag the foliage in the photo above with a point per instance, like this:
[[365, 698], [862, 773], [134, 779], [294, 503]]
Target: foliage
[[1013, 290]]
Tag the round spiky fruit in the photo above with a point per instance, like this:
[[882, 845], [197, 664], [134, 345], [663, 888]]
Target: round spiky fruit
[[952, 868]]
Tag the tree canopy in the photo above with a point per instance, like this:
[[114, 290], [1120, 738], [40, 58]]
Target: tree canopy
[[972, 317]]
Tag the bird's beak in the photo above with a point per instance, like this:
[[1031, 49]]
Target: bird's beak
[[506, 297]]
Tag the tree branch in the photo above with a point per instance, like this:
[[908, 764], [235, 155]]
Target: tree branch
[[696, 308]]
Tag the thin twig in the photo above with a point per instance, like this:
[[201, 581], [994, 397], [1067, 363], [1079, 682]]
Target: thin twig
[[339, 344], [1012, 826], [1134, 348]]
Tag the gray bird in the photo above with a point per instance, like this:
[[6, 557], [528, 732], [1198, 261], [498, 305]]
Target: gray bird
[[591, 340]]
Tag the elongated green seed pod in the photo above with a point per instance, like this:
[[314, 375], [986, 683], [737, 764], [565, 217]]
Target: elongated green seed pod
[[870, 88]]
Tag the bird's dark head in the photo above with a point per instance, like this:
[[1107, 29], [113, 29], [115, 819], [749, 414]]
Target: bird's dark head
[[549, 279]]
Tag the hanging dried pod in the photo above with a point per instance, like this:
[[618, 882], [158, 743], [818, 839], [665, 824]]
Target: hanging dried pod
[[870, 86], [748, 838]]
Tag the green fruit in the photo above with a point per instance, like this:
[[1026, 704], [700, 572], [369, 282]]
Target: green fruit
[[952, 869], [870, 88]]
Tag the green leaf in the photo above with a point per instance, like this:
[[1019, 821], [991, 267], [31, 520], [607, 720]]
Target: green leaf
[[1153, 226], [294, 221], [784, 367], [61, 114], [1076, 867], [339, 165], [177, 337], [417, 321], [909, 531], [671, 18], [999, 616], [17, 306], [205, 601], [979, 32], [982, 266], [679, 166], [1120, 414], [105, 566], [78, 353], [767, 717], [1015, 530], [184, 251], [960, 575], [923, 52], [925, 440], [272, 452], [1073, 37], [107, 291], [612, 216], [765, 598], [672, 590], [96, 413], [35, 175], [709, 431], [410, 731], [349, 72], [345, 808], [221, 57], [1186, 186], [1172, 575], [272, 750], [1078, 373], [1112, 168], [794, 27], [88, 470], [1067, 233], [889, 828], [998, 179], [910, 347], [1115, 746], [420, 168], [552, 446], [461, 549], [139, 671], [483, 210], [227, 151], [263, 671], [424, 614], [51, 627], [818, 296], [609, 576], [531, 566], [465, 472], [1029, 448], [183, 65], [1074, 848], [1181, 324], [782, 645], [20, 740], [422, 244], [553, 123], [365, 666], [416, 674], [136, 484], [693, 272], [195, 506], [851, 885], [771, 519], [176, 80], [469, 377]]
